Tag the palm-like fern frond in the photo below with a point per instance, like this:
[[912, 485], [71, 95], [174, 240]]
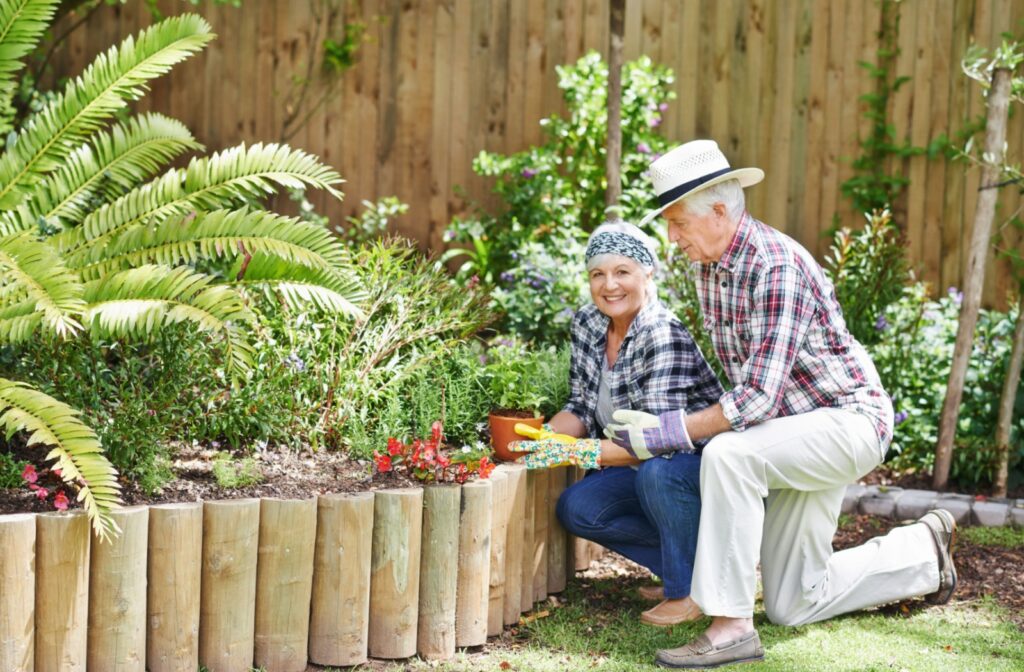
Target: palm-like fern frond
[[330, 290], [104, 168], [140, 301], [225, 178], [32, 269], [118, 76], [211, 235], [22, 23], [74, 446]]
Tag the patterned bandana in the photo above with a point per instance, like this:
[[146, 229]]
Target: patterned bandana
[[622, 244]]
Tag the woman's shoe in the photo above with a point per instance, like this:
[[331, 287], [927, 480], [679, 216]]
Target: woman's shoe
[[652, 593], [672, 612]]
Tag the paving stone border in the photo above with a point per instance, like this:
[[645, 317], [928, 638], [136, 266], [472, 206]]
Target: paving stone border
[[900, 504]]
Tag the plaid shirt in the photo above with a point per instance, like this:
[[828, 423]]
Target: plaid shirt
[[659, 368], [780, 334]]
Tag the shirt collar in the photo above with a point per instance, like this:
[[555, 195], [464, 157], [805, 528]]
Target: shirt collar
[[732, 253], [648, 315]]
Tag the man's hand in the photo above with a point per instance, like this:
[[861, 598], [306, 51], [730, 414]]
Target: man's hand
[[646, 435], [547, 453]]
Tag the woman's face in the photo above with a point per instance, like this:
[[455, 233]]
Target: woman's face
[[618, 286]]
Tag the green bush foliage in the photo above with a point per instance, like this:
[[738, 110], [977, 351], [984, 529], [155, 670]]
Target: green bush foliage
[[10, 471], [231, 472]]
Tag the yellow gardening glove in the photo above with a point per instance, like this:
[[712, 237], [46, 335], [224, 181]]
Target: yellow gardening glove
[[542, 433]]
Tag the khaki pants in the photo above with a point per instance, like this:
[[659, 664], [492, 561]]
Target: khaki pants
[[802, 465]]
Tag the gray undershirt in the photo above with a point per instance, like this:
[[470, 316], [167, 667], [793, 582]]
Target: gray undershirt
[[603, 412]]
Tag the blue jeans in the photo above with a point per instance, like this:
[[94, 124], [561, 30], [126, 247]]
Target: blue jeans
[[650, 515]]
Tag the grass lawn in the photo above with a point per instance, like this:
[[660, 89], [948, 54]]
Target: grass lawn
[[587, 634]]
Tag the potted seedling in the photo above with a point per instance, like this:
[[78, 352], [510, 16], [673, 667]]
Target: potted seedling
[[515, 396]]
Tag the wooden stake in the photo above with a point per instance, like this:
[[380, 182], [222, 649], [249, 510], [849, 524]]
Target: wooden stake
[[62, 591], [499, 530], [516, 498], [284, 583], [557, 537], [541, 497], [474, 564], [174, 570], [341, 579], [117, 589], [18, 578], [395, 572], [439, 572], [974, 273], [526, 582], [227, 607]]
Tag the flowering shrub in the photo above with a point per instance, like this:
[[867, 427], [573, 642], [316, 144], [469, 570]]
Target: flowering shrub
[[425, 460], [31, 478]]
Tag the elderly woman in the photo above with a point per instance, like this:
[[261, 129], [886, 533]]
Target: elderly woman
[[629, 351]]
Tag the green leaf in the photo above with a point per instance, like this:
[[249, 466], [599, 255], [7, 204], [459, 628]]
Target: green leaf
[[32, 269], [22, 23]]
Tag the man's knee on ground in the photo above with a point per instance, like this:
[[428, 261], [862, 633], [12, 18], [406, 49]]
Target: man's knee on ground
[[783, 614]]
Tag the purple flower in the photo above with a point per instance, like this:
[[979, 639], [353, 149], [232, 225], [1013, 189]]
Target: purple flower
[[528, 173], [514, 255], [663, 107], [957, 296], [655, 121], [507, 342], [881, 324], [643, 148], [294, 362], [483, 359], [507, 276], [899, 418]]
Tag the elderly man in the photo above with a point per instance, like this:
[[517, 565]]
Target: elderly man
[[806, 415]]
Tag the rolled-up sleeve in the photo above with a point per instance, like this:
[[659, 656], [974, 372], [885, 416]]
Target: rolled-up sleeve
[[782, 314], [576, 403]]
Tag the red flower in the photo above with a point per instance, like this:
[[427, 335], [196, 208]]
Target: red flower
[[443, 460], [29, 475], [435, 431], [60, 502], [57, 472], [42, 493], [394, 447], [383, 462], [486, 467]]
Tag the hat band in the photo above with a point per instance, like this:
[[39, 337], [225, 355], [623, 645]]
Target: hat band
[[670, 196]]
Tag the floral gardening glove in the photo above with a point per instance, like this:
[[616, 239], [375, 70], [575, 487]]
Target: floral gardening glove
[[645, 435], [548, 453]]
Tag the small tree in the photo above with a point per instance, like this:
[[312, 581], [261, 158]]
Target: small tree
[[996, 75]]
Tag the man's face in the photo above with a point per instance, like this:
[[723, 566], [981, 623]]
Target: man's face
[[703, 238]]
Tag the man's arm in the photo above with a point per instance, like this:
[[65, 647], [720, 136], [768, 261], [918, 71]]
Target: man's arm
[[706, 423]]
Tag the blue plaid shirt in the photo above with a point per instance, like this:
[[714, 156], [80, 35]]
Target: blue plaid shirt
[[659, 367]]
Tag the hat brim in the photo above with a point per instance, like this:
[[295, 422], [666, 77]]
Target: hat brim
[[747, 177]]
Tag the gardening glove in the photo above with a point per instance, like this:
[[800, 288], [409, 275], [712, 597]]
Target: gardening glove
[[645, 435], [547, 453], [544, 432]]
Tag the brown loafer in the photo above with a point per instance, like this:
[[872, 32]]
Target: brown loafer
[[942, 525], [671, 612], [701, 654], [652, 593]]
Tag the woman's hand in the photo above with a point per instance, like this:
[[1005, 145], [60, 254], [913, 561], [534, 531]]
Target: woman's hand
[[548, 453]]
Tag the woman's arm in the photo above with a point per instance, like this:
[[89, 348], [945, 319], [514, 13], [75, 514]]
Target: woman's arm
[[566, 422]]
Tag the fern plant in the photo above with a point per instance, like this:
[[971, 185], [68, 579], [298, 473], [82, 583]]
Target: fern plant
[[98, 237]]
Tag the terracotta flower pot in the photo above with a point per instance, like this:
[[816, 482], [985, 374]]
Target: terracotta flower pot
[[502, 431]]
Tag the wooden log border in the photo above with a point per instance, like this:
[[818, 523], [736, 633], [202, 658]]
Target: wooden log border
[[196, 582]]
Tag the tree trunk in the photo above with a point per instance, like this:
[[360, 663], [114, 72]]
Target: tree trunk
[[613, 158], [974, 274], [1006, 402]]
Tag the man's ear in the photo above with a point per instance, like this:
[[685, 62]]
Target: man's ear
[[719, 209]]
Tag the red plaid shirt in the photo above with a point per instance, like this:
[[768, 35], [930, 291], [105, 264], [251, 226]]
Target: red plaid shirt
[[780, 334]]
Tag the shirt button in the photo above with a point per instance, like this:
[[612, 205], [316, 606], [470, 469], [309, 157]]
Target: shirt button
[[725, 283], [726, 322], [735, 359]]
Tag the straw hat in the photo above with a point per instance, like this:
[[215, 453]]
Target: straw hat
[[691, 167]]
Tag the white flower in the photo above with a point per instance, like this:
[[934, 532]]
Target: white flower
[[466, 449]]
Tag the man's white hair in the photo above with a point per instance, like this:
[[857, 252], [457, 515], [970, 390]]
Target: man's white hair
[[728, 193]]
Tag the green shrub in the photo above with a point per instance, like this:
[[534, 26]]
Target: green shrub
[[453, 391], [230, 472], [1004, 537], [519, 377], [10, 471]]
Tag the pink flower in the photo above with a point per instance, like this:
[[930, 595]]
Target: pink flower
[[42, 493], [29, 475], [57, 472], [60, 502], [435, 431]]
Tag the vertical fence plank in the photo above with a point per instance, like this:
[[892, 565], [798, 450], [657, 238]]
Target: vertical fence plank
[[18, 578], [227, 611], [117, 590], [499, 537], [62, 591], [173, 587], [516, 496], [439, 566], [557, 537], [474, 564], [340, 614], [395, 572], [284, 583], [541, 497]]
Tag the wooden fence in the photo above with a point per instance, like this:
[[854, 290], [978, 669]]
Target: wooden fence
[[280, 583], [776, 82]]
